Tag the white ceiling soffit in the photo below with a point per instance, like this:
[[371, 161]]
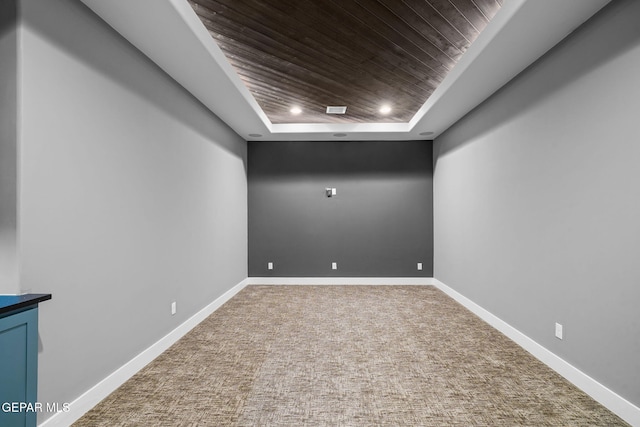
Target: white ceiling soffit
[[170, 34]]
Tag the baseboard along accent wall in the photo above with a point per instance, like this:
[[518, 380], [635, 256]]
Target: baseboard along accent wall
[[340, 281], [94, 395]]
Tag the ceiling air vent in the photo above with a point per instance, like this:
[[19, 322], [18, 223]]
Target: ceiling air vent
[[336, 110]]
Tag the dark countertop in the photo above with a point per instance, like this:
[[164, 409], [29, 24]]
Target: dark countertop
[[13, 302]]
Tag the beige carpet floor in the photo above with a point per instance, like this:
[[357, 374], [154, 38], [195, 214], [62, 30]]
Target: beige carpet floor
[[346, 356]]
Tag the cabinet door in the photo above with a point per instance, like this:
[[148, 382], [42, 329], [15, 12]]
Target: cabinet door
[[18, 367]]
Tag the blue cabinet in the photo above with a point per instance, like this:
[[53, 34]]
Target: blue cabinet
[[18, 364]]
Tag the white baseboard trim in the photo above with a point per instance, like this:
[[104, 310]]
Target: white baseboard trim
[[608, 398], [94, 395], [615, 403], [340, 281]]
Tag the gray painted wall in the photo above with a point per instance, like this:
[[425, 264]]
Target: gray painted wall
[[536, 201], [378, 225], [132, 194], [8, 147]]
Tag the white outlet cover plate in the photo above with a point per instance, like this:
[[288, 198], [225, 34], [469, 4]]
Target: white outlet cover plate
[[558, 331]]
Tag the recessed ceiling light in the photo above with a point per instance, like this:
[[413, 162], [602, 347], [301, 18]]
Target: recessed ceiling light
[[385, 109], [426, 133], [339, 134], [296, 110], [255, 135]]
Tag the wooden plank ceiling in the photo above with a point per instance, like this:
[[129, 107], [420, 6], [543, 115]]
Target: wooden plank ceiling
[[361, 54]]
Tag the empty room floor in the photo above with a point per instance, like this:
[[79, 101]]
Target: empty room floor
[[346, 356]]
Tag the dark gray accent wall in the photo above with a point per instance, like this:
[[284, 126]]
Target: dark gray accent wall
[[8, 146], [537, 214], [379, 224]]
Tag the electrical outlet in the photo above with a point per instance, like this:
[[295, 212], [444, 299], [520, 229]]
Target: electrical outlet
[[558, 331], [270, 266], [419, 266], [330, 191], [334, 265], [173, 308]]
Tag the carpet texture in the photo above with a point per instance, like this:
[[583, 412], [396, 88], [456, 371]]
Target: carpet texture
[[346, 356]]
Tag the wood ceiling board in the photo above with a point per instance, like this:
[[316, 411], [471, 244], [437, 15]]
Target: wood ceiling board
[[258, 60], [264, 91], [429, 14], [359, 53], [295, 74], [401, 33], [430, 26], [486, 6], [271, 53], [456, 18], [473, 14]]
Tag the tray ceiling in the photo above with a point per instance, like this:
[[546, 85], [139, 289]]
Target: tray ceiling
[[362, 54], [174, 37]]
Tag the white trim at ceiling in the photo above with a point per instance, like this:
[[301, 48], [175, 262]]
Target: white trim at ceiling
[[170, 33]]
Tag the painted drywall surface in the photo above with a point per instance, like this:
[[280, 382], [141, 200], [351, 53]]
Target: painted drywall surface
[[536, 201], [8, 147], [132, 196], [379, 224]]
